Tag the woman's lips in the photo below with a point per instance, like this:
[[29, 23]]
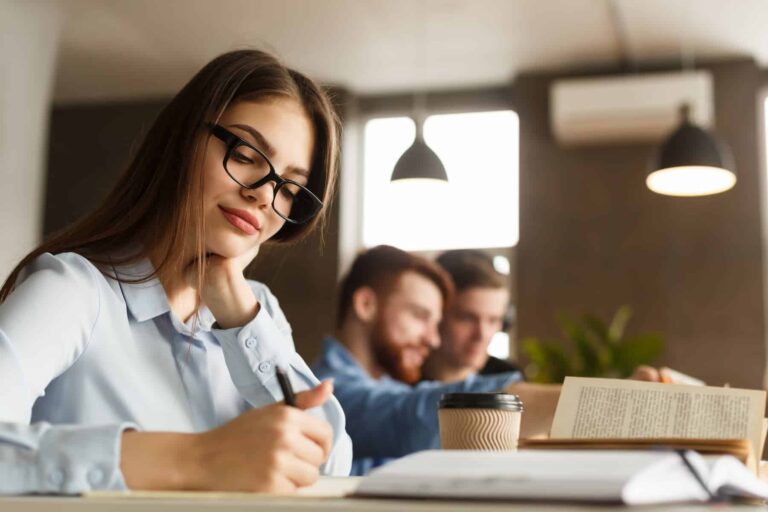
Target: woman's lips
[[242, 220]]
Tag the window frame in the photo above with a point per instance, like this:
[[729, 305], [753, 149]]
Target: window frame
[[367, 107]]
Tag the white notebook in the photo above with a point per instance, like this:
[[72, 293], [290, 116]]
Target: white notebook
[[631, 477]]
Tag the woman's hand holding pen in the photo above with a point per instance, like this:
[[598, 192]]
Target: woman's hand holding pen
[[225, 290], [274, 449]]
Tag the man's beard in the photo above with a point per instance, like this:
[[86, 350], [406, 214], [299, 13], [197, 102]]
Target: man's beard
[[390, 356]]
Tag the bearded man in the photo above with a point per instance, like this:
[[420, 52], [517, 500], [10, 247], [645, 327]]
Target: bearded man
[[390, 305]]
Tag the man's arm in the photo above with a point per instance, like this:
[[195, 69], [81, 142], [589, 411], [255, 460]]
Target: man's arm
[[391, 419]]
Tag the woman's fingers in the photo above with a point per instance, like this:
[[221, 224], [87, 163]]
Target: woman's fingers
[[280, 483], [299, 472], [308, 450], [316, 396], [317, 430]]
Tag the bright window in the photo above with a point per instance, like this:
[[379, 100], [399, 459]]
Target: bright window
[[478, 207], [499, 346]]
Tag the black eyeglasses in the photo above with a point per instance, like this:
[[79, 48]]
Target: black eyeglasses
[[250, 168]]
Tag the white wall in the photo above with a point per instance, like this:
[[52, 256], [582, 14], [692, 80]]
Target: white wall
[[29, 31], [350, 189], [763, 180]]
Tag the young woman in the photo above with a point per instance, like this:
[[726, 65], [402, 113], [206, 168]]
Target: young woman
[[133, 351]]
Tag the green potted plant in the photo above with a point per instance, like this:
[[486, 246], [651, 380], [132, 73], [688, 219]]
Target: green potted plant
[[593, 348]]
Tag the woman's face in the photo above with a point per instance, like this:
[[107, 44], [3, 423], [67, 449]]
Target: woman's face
[[238, 220]]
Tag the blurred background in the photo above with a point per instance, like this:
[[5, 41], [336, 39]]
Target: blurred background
[[547, 115]]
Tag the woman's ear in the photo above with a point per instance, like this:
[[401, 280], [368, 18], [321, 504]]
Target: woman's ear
[[365, 304]]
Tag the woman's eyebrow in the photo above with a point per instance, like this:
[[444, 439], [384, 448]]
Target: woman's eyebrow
[[265, 146], [297, 170], [261, 141]]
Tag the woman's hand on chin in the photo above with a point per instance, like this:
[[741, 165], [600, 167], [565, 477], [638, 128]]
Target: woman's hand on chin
[[226, 292]]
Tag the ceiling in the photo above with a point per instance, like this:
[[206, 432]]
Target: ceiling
[[124, 49]]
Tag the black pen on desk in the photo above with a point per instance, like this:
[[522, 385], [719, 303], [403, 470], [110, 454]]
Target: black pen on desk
[[285, 386]]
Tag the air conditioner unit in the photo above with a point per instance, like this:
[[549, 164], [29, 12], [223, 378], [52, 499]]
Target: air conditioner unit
[[628, 108]]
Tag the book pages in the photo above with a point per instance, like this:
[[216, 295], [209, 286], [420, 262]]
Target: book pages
[[739, 448], [615, 408]]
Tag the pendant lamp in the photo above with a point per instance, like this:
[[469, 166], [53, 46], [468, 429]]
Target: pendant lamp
[[691, 162], [419, 161]]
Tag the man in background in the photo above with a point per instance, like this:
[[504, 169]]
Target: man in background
[[477, 312], [390, 305]]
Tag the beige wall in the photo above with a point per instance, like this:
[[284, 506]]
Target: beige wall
[[28, 39]]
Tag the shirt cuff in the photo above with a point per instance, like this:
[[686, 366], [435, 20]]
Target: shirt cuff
[[63, 459], [252, 351], [75, 459]]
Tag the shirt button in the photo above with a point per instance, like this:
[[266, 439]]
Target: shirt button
[[265, 366], [56, 477], [250, 343], [95, 476]]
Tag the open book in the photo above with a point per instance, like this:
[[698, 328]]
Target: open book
[[629, 477], [614, 413]]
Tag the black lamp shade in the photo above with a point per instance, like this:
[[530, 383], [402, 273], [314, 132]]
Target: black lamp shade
[[419, 161], [691, 162], [690, 145]]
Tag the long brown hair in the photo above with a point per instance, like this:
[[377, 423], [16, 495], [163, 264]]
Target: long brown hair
[[157, 202]]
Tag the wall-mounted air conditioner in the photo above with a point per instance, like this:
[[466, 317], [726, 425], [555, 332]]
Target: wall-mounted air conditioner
[[628, 108]]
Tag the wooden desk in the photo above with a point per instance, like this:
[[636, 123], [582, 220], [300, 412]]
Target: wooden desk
[[325, 495], [63, 504]]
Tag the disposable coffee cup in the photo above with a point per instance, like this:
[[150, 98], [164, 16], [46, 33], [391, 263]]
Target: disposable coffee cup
[[479, 421]]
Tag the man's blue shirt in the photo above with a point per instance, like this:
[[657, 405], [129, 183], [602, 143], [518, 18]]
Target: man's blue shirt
[[387, 418]]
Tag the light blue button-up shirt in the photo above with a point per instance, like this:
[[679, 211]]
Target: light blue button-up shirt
[[387, 418], [83, 357]]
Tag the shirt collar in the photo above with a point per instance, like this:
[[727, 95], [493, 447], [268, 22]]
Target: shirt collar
[[338, 358], [147, 299]]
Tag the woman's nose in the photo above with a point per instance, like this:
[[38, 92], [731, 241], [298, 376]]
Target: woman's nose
[[263, 196]]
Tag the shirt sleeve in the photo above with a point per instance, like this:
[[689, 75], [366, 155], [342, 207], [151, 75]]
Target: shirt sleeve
[[391, 419], [45, 325], [251, 353]]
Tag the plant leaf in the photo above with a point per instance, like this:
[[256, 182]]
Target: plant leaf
[[591, 348], [636, 351], [598, 327], [551, 363], [619, 323]]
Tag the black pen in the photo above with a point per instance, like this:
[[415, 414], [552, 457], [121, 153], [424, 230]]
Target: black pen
[[285, 386], [691, 469]]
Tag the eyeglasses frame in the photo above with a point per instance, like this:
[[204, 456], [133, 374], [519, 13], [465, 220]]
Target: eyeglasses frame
[[232, 142]]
